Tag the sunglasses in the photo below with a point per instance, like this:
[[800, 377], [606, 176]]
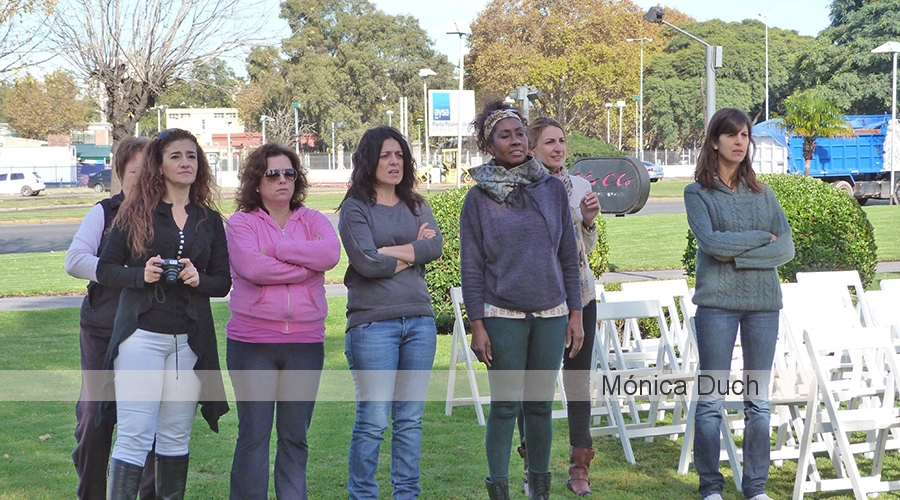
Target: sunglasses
[[273, 174]]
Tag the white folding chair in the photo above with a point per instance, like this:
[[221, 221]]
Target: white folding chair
[[650, 382], [834, 407], [843, 280], [884, 308], [461, 353], [890, 284]]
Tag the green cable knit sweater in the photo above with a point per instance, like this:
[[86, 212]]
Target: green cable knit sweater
[[738, 224]]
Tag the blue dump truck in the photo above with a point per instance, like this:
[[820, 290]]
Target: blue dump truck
[[856, 164]]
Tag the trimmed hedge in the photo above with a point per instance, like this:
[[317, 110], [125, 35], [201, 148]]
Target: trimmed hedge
[[830, 230], [443, 274]]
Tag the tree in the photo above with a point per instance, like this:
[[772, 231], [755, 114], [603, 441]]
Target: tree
[[840, 63], [134, 51], [810, 116], [675, 83], [345, 62], [36, 109], [23, 25], [574, 51]]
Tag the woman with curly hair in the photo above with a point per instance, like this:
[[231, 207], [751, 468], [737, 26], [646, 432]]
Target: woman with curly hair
[[389, 234], [279, 252], [522, 290], [167, 252]]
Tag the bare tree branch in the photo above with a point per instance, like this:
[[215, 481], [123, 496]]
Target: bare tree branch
[[133, 50]]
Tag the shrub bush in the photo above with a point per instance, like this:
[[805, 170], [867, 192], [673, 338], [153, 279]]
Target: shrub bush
[[580, 146], [831, 231], [443, 274]]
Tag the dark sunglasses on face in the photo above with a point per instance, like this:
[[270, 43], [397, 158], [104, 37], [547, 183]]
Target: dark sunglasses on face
[[273, 174]]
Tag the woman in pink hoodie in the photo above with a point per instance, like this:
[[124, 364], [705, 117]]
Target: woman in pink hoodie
[[279, 253]]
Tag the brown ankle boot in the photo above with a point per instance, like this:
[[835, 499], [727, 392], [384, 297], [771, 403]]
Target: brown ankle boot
[[579, 465]]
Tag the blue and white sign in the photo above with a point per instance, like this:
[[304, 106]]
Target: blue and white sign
[[445, 111]]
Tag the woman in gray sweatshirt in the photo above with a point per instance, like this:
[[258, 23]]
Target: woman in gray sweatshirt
[[522, 290], [742, 236], [389, 234]]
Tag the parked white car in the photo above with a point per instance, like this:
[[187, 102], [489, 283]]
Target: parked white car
[[26, 183]]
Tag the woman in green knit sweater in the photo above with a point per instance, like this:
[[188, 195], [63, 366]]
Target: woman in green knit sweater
[[742, 236]]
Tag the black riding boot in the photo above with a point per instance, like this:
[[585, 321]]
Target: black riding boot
[[124, 480], [498, 490], [538, 485], [171, 477]]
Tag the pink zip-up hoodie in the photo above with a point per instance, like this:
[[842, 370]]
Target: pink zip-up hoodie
[[279, 276]]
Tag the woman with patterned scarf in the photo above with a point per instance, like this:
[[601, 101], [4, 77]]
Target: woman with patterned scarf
[[521, 287]]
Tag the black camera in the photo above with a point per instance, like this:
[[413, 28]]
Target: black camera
[[170, 268]]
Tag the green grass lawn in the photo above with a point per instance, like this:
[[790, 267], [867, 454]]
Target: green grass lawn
[[36, 437]]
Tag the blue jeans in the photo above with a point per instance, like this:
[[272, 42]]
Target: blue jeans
[[716, 334], [391, 361], [270, 378]]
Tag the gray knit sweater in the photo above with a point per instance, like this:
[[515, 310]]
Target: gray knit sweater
[[738, 224]]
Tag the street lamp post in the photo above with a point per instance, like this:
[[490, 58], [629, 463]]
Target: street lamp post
[[765, 17], [891, 48], [390, 114], [640, 132], [265, 119], [425, 73], [621, 106], [713, 59], [459, 97], [609, 106], [296, 106], [158, 118], [228, 131]]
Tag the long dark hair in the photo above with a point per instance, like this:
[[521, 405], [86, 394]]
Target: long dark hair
[[365, 162], [726, 121], [247, 197], [136, 214]]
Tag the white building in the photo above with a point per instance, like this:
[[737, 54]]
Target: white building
[[204, 122]]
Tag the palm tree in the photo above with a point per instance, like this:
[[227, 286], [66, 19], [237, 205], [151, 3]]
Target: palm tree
[[810, 115]]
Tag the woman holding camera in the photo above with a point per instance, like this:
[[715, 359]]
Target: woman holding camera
[[279, 252], [389, 234], [167, 251], [521, 286]]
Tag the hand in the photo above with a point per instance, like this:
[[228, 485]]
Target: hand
[[481, 343], [189, 275], [774, 237], [574, 333], [152, 271], [723, 259], [424, 232], [590, 207]]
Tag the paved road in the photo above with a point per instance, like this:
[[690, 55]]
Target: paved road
[[30, 238]]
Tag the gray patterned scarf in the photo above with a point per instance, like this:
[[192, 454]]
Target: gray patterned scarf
[[498, 182]]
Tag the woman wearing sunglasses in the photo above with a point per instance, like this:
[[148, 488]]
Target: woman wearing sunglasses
[[167, 252], [389, 234], [279, 253]]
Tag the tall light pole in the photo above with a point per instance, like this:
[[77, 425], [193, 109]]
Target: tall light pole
[[296, 106], [713, 59], [228, 131], [158, 119], [390, 114], [265, 119], [459, 126], [609, 106], [640, 148], [621, 106], [894, 48], [424, 74], [765, 17]]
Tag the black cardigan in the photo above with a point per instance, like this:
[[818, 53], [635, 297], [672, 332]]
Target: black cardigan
[[209, 254]]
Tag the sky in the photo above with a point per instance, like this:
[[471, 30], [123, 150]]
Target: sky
[[807, 17]]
